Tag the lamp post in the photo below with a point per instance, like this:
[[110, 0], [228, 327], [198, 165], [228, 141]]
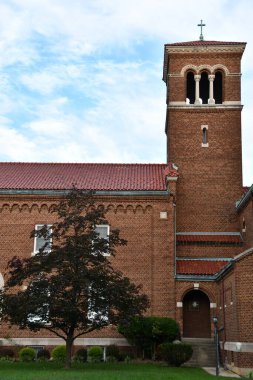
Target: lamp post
[[216, 340]]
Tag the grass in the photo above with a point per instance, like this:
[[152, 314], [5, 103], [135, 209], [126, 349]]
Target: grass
[[101, 371]]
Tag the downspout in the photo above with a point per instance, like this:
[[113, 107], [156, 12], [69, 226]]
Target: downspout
[[224, 356], [223, 307], [172, 194], [174, 245], [175, 236]]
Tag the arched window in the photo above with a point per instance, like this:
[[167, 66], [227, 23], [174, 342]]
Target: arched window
[[204, 87], [204, 129], [217, 88], [190, 87]]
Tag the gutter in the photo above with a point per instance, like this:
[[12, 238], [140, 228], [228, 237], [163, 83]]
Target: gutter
[[97, 192], [213, 277]]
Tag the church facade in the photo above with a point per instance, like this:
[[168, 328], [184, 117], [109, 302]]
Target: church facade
[[188, 222]]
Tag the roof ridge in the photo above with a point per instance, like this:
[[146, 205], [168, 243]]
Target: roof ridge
[[82, 163]]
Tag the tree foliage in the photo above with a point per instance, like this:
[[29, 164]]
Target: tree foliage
[[146, 333], [70, 286]]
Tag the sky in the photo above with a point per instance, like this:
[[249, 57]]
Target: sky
[[80, 80]]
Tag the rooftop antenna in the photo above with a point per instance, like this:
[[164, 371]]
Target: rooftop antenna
[[201, 37]]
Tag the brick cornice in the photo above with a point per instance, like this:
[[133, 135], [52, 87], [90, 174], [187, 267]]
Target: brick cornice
[[206, 49]]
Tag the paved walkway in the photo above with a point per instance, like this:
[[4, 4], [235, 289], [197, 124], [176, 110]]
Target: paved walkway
[[222, 372]]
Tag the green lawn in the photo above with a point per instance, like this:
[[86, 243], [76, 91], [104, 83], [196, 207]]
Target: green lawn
[[119, 371]]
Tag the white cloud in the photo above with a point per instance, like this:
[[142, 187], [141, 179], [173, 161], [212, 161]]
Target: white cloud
[[44, 82], [15, 146], [82, 79], [50, 127]]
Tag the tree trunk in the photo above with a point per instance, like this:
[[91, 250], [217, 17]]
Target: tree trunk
[[69, 344]]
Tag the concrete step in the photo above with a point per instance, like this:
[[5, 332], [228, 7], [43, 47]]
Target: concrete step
[[203, 352]]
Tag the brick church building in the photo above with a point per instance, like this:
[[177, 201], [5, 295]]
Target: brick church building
[[188, 222]]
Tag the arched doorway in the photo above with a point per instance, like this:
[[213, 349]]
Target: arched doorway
[[196, 315]]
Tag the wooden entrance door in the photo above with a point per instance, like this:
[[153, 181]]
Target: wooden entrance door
[[196, 315]]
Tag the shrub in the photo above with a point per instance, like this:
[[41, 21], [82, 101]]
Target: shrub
[[43, 354], [59, 353], [7, 353], [175, 354], [112, 351], [27, 354], [81, 355], [95, 354], [148, 332]]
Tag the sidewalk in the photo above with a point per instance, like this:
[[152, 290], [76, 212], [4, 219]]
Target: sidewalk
[[222, 372]]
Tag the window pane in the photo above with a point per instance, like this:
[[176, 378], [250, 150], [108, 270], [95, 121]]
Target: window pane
[[40, 241], [103, 231]]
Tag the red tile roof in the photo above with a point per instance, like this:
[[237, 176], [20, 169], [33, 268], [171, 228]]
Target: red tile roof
[[61, 176], [203, 42], [199, 238], [200, 267]]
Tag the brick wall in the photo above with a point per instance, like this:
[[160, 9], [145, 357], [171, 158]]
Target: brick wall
[[210, 178], [246, 215], [235, 307], [231, 85], [147, 259]]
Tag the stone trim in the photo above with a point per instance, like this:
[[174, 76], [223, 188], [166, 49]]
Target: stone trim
[[209, 68], [175, 105], [238, 346], [57, 341]]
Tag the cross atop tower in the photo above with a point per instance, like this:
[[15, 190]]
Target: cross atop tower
[[201, 27]]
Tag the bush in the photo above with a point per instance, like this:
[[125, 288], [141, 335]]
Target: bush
[[7, 353], [81, 355], [112, 351], [146, 333], [43, 354], [27, 354], [175, 354], [95, 354], [59, 353]]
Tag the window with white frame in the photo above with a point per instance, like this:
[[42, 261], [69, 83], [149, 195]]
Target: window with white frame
[[1, 281], [95, 313], [40, 241], [40, 314], [103, 231]]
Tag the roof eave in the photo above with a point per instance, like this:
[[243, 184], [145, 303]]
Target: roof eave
[[205, 277], [244, 200], [62, 192]]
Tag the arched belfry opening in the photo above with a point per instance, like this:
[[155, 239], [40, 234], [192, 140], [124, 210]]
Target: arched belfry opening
[[196, 315], [217, 87], [204, 87], [190, 87]]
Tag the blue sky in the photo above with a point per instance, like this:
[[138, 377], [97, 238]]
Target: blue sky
[[81, 80]]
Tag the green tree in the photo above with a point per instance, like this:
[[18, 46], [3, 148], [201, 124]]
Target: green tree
[[146, 333], [70, 287]]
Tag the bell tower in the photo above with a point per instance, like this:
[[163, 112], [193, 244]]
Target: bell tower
[[203, 127]]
